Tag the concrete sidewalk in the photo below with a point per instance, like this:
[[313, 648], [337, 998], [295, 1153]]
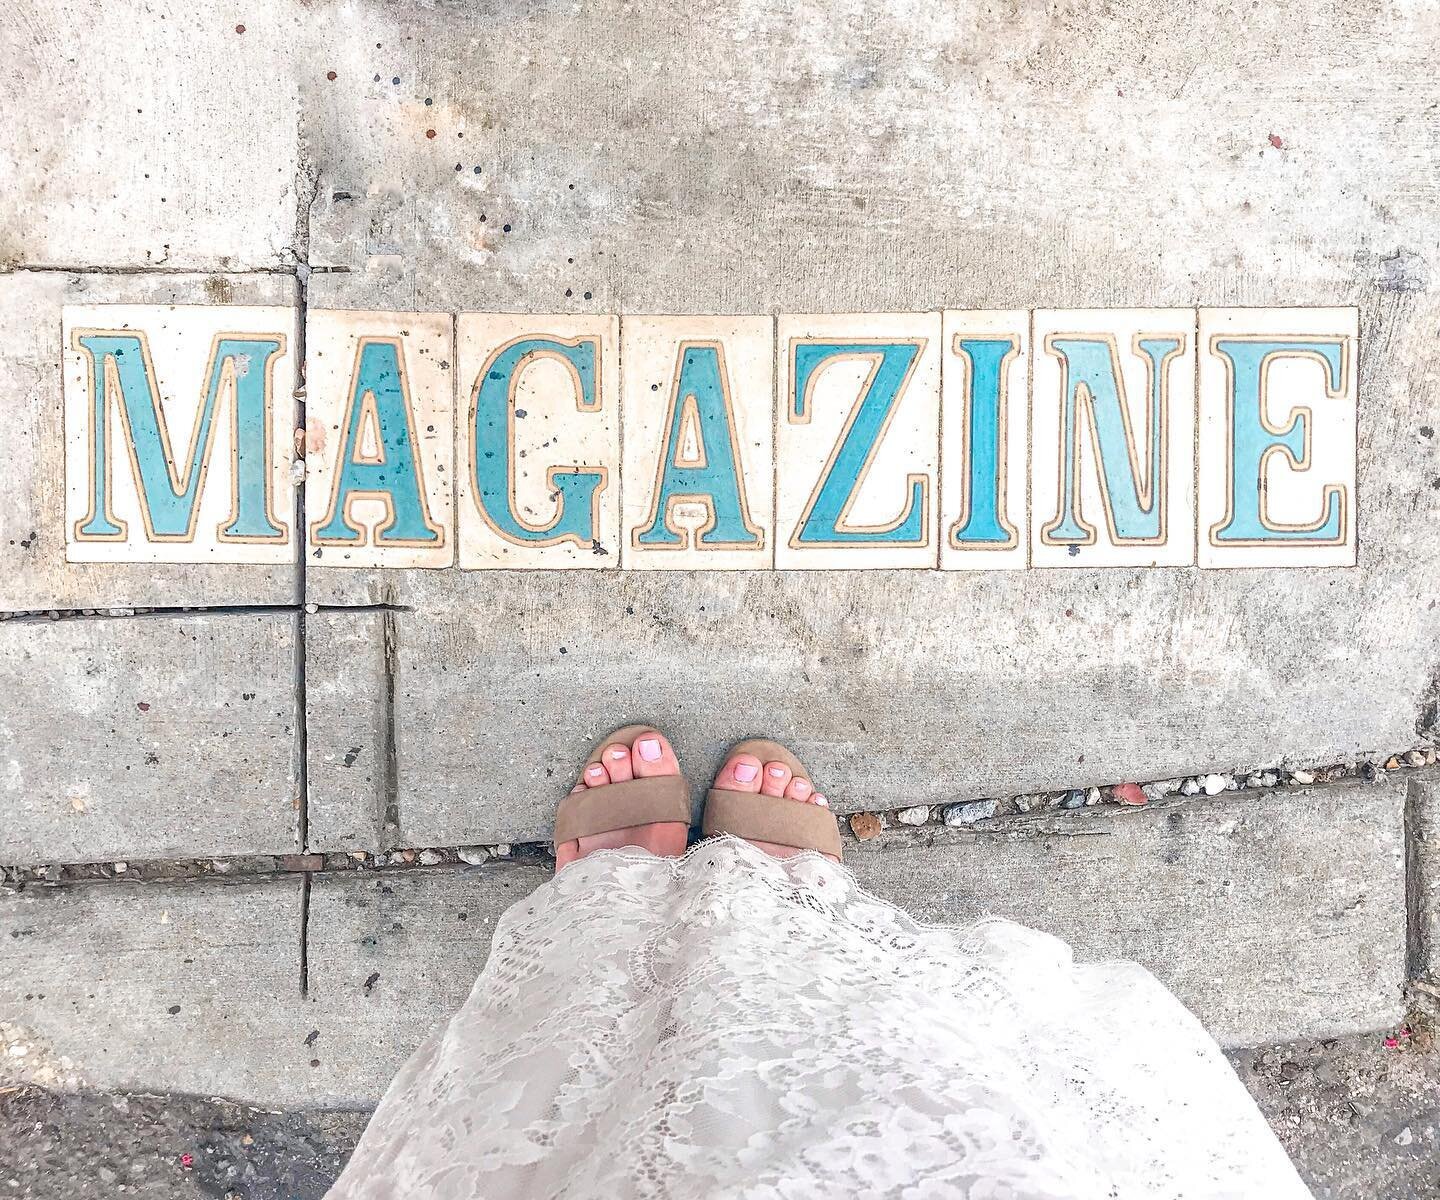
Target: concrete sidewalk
[[289, 761]]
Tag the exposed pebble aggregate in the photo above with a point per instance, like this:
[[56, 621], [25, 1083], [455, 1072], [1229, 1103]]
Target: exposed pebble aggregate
[[864, 825]]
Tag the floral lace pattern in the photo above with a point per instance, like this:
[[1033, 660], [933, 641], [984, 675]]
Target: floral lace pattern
[[730, 1024]]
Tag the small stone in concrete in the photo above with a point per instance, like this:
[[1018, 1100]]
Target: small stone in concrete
[[969, 813], [1302, 777], [431, 858], [1129, 793], [501, 851], [1092, 795], [865, 826], [1213, 784], [1191, 787], [917, 815], [474, 855], [1074, 798], [1269, 779]]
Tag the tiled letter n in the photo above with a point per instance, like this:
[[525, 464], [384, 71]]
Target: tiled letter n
[[1113, 438]]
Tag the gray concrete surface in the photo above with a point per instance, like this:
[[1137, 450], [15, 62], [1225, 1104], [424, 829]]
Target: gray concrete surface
[[893, 692], [157, 736], [748, 159], [1273, 915], [127, 150], [390, 957], [727, 159], [352, 770], [33, 570], [186, 987]]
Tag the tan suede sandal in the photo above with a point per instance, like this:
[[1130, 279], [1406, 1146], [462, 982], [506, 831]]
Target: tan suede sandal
[[775, 819], [622, 805]]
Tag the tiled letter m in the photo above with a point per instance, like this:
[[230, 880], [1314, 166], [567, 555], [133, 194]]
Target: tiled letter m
[[121, 375]]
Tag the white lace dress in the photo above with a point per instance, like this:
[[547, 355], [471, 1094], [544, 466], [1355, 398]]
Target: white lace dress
[[730, 1024]]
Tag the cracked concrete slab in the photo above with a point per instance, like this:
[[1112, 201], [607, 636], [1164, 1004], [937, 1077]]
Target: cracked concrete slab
[[149, 737], [1423, 813], [179, 987], [34, 573]]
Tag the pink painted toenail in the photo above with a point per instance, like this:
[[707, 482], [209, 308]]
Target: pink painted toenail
[[649, 749], [821, 801], [802, 786], [617, 754], [744, 772], [777, 772], [595, 769]]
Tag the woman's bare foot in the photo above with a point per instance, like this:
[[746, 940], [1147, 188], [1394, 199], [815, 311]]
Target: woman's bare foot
[[651, 755], [746, 773]]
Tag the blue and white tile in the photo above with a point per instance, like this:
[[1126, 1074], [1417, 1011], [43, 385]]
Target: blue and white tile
[[537, 445], [1277, 437], [380, 439], [985, 441], [179, 433], [1112, 431], [857, 441], [697, 463]]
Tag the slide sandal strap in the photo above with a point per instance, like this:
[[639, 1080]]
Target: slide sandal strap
[[772, 819], [623, 805]]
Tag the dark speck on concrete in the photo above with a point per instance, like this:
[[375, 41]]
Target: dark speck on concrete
[[371, 982], [173, 1010], [351, 755]]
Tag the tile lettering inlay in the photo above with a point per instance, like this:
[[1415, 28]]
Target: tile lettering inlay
[[959, 440], [179, 433]]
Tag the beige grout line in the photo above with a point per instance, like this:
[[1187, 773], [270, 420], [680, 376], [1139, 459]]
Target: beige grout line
[[1195, 444], [938, 524], [1030, 445]]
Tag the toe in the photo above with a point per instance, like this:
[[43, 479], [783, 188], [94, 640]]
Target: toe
[[776, 779], [817, 798], [800, 788], [652, 755], [594, 775], [617, 763], [740, 774]]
